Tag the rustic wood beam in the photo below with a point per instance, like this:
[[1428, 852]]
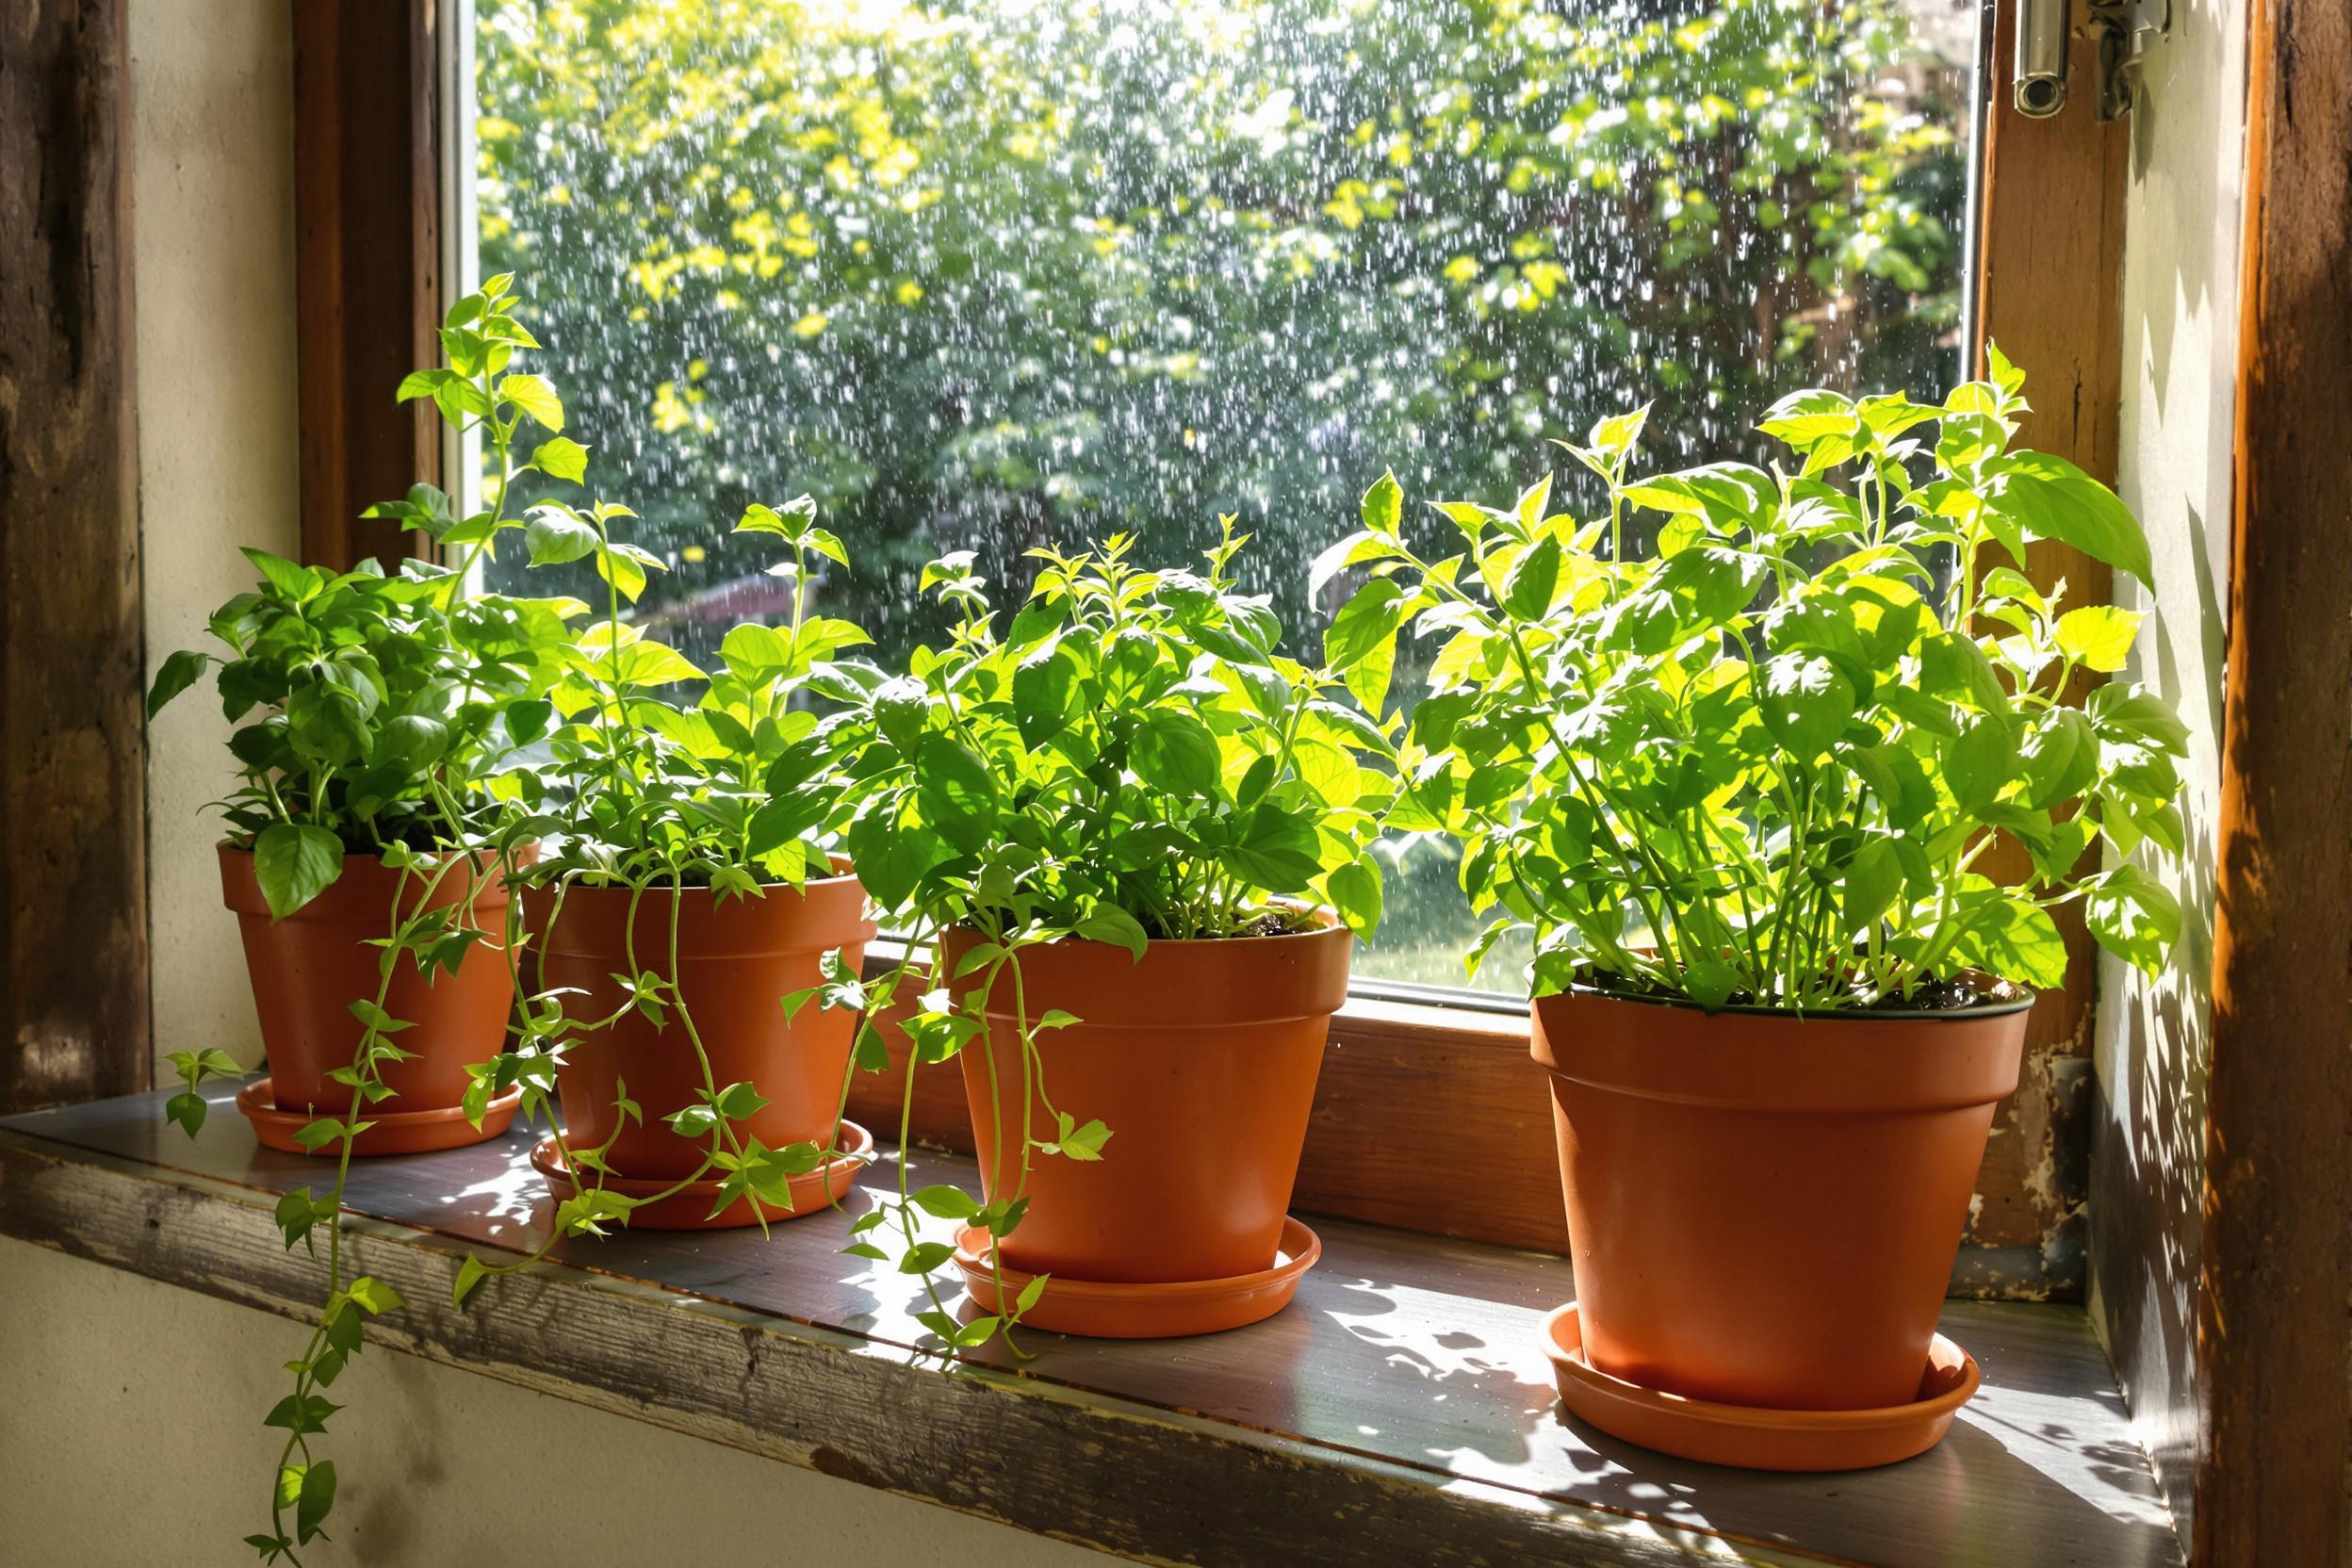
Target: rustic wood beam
[[2274, 1466], [1399, 1411], [74, 1004], [368, 262], [2049, 290]]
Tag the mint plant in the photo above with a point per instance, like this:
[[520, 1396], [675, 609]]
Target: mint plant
[[1762, 762], [729, 793], [1130, 759]]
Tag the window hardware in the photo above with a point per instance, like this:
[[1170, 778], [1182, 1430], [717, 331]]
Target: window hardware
[[2124, 30]]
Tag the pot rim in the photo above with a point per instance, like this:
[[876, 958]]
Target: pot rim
[[1798, 1015], [1323, 912], [663, 889], [842, 872]]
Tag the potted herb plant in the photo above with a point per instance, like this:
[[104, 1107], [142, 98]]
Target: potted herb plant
[[375, 716], [684, 892], [1135, 834], [1739, 781]]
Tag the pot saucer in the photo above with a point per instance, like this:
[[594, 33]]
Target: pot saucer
[[1108, 1310], [690, 1207], [389, 1132], [1755, 1438]]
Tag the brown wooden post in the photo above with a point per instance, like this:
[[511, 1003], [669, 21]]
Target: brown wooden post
[[2274, 1464], [2049, 292], [73, 1005], [368, 262]]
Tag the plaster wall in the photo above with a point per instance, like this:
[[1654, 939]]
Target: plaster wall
[[2183, 218], [212, 228], [132, 1436]]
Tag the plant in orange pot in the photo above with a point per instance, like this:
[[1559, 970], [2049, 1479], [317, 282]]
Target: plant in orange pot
[[1735, 749], [683, 889], [1134, 833]]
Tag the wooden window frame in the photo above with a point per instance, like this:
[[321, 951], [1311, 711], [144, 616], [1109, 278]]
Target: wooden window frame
[[74, 1023], [2050, 293]]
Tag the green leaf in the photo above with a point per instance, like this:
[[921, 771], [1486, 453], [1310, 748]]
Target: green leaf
[[1528, 586], [561, 457], [178, 673], [295, 863], [946, 1203], [1113, 925], [1354, 550], [301, 1414], [2098, 636], [1355, 892], [469, 1273], [1384, 506], [2132, 917], [1803, 419], [374, 1295], [1808, 703], [1081, 1142], [535, 396], [1981, 762], [957, 791], [1361, 641], [2052, 498], [317, 1500], [295, 583], [1045, 688], [187, 1108], [557, 534], [1873, 879], [2011, 938], [1174, 751], [740, 1102]]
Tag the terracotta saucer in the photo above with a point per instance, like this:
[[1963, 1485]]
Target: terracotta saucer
[[1754, 1438], [1106, 1310], [390, 1132], [690, 1207]]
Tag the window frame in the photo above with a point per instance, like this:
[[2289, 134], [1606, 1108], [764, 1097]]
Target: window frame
[[2050, 293]]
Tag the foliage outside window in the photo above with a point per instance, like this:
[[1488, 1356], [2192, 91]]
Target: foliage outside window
[[993, 276]]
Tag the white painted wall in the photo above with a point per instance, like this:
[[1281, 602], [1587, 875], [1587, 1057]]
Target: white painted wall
[[132, 1437], [212, 230], [2182, 242]]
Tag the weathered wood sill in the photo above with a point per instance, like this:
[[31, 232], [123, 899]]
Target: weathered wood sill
[[1399, 1413]]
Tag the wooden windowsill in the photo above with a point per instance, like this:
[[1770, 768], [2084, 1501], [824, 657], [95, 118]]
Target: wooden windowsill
[[1399, 1412]]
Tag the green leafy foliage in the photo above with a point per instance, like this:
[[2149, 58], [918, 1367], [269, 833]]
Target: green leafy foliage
[[1133, 297], [375, 711], [1762, 762], [1130, 759]]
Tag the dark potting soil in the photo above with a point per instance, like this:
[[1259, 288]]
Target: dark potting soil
[[1928, 996]]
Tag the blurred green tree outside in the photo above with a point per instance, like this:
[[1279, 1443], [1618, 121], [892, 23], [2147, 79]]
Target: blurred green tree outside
[[982, 274]]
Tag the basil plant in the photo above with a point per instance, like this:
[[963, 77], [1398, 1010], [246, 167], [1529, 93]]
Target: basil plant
[[643, 786], [1764, 760], [1129, 760]]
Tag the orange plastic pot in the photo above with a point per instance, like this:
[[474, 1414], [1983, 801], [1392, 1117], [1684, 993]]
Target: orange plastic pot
[[736, 961], [309, 968], [1763, 1209], [1200, 1057]]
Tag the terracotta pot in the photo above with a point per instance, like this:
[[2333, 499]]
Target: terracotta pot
[[1202, 1059], [1763, 1209], [309, 968], [736, 961]]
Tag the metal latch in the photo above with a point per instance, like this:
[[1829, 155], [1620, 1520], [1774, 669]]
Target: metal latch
[[2125, 31]]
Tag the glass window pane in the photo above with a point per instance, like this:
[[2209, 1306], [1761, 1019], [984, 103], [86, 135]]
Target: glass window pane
[[979, 275]]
